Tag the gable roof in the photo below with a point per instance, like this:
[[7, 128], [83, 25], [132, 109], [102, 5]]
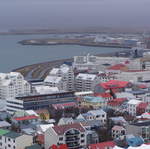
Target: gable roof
[[3, 132], [12, 135], [96, 112], [60, 130], [102, 145]]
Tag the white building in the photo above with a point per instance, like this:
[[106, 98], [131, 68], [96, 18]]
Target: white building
[[13, 84], [86, 82], [132, 105], [118, 131], [65, 121], [94, 115], [90, 62], [64, 75], [12, 140], [54, 81], [42, 89], [73, 135], [134, 75]]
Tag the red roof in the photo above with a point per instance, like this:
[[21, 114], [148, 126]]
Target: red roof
[[117, 101], [127, 62], [142, 105], [142, 86], [117, 67], [60, 130], [102, 145], [141, 108], [104, 95], [64, 105], [62, 146], [29, 117], [40, 139], [113, 84]]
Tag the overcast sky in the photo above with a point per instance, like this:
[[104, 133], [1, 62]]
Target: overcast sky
[[73, 13]]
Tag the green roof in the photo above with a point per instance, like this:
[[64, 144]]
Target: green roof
[[35, 146], [3, 132], [12, 135]]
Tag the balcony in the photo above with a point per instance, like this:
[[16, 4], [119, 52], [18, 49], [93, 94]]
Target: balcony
[[73, 145], [72, 139]]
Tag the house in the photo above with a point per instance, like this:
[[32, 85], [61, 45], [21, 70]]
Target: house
[[13, 140], [94, 115], [92, 137], [116, 104], [65, 121], [73, 135], [118, 120], [41, 129], [103, 145], [132, 106], [25, 119], [141, 108], [43, 114], [5, 125], [93, 101], [118, 131]]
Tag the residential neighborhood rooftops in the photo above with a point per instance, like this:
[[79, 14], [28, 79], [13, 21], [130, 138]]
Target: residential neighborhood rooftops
[[4, 124], [60, 130], [102, 145], [93, 99], [29, 117], [114, 84], [134, 102], [119, 128], [12, 134]]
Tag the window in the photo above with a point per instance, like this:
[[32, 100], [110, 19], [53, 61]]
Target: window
[[8, 139], [9, 145], [82, 141], [82, 135], [61, 138]]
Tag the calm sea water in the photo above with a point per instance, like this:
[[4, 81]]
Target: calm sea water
[[14, 55]]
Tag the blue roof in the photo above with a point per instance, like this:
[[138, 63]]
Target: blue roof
[[93, 99], [138, 92], [134, 141]]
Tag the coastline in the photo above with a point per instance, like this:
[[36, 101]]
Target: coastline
[[81, 42], [40, 70]]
